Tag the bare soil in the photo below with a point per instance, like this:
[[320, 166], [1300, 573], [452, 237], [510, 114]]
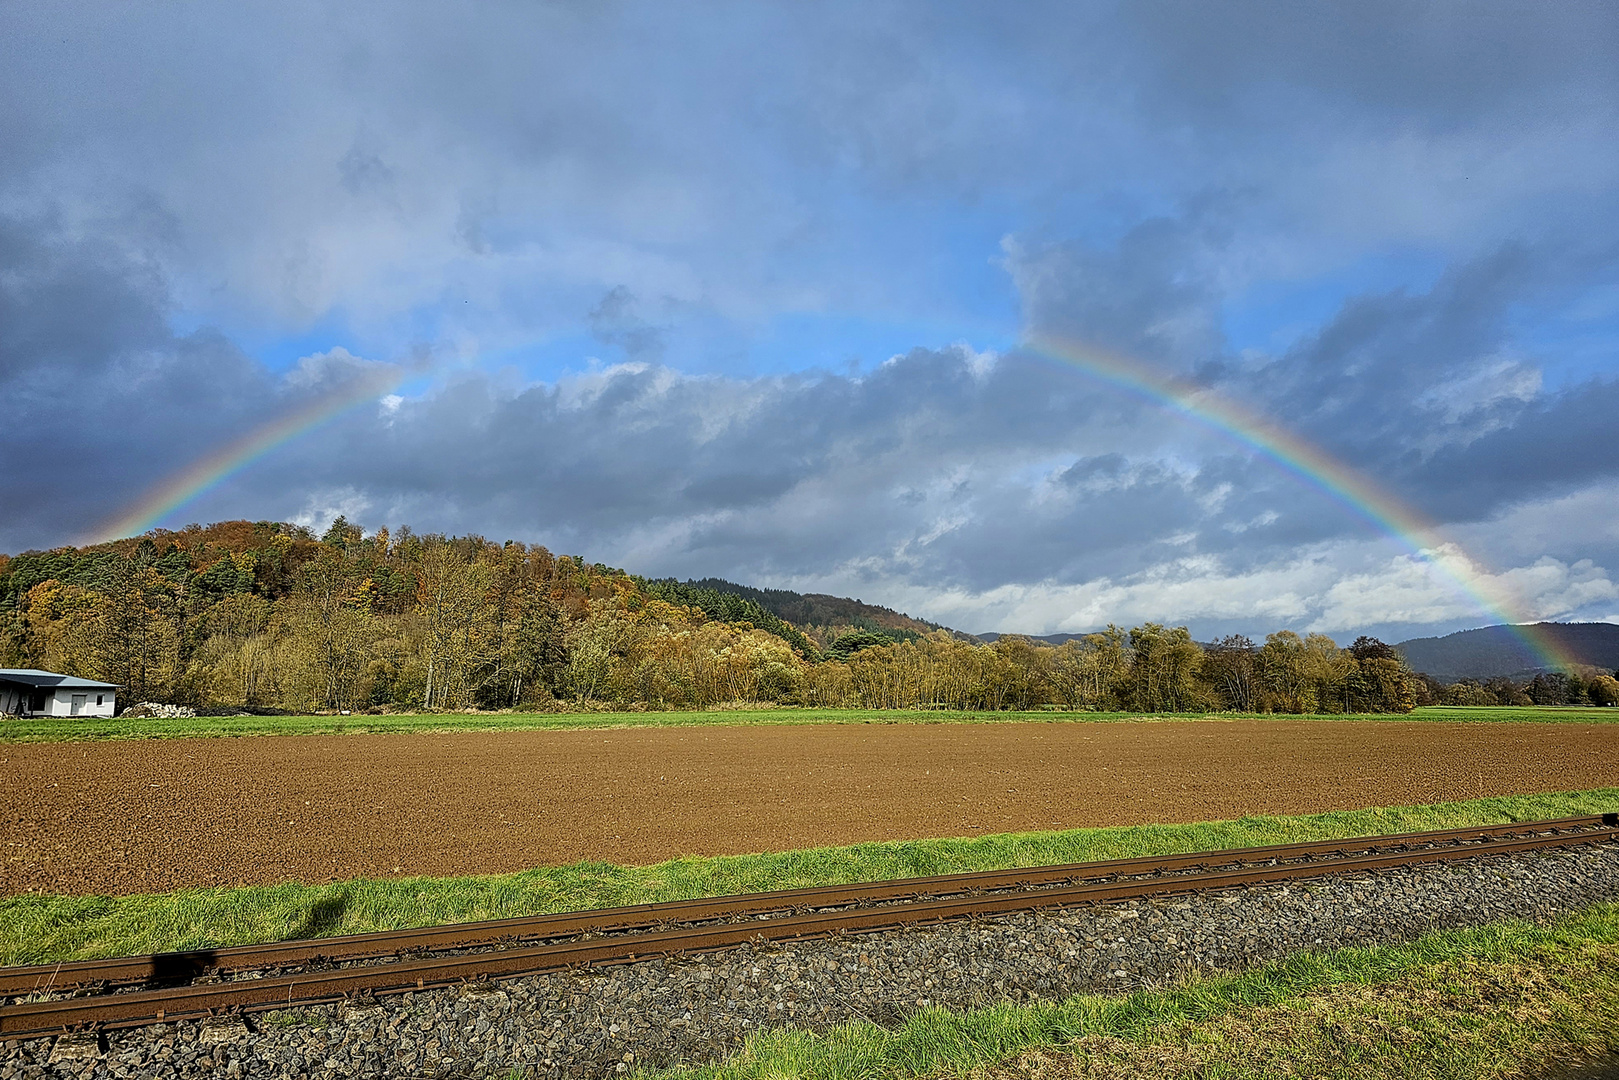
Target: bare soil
[[128, 817]]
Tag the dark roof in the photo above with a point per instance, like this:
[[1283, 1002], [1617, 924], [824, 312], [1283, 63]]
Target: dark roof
[[34, 677]]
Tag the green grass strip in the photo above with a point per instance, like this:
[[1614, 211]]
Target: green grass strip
[[82, 729], [1500, 1000], [44, 929]]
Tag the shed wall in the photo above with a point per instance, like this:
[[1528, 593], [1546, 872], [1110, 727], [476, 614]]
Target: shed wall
[[60, 703]]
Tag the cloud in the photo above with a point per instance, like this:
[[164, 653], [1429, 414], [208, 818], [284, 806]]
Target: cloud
[[917, 483], [1394, 597], [495, 176], [1556, 444], [1408, 590], [323, 372], [1010, 494], [1382, 226], [321, 508], [616, 321], [102, 397], [1153, 296]]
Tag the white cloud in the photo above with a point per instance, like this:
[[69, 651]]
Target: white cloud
[[1311, 591], [329, 369], [321, 508], [1562, 524], [1493, 380]]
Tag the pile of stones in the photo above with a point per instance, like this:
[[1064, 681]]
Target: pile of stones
[[158, 711]]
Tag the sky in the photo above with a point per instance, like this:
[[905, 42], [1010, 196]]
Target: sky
[[758, 291]]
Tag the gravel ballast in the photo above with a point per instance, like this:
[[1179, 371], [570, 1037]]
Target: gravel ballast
[[605, 1021]]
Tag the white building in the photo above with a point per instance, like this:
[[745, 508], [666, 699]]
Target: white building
[[26, 692]]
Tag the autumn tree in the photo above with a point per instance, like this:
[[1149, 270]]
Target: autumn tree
[[1231, 668], [460, 624], [135, 641], [1164, 665], [1330, 672], [235, 662], [1283, 676], [594, 643], [329, 632]]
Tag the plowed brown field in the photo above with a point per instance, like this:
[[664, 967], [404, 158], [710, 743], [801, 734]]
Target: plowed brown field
[[123, 817]]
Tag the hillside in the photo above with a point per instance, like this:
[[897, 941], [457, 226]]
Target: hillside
[[267, 617], [825, 617], [1049, 639], [1498, 650]]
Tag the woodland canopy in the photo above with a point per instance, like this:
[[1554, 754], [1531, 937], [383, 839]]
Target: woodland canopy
[[266, 616]]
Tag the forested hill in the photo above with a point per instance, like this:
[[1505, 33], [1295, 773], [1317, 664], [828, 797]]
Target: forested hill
[[826, 618], [1049, 639], [1493, 651], [269, 616]]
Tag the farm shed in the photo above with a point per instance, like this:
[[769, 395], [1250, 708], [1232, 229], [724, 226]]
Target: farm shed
[[27, 692]]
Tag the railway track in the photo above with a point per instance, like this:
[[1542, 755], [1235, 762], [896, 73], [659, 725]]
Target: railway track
[[134, 991]]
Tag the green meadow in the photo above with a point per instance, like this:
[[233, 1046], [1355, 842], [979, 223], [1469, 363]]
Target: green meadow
[[77, 729]]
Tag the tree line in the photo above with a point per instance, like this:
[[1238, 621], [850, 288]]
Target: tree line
[[1583, 686], [266, 616]]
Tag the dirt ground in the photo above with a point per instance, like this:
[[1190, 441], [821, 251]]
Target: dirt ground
[[125, 817]]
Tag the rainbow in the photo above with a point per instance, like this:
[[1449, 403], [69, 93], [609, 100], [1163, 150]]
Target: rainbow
[[1285, 449], [1317, 469], [176, 490]]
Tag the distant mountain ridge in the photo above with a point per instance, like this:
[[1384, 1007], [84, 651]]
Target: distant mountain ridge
[[1498, 650]]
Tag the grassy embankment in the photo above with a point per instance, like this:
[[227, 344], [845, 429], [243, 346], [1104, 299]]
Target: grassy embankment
[[44, 929], [76, 729], [1512, 1000]]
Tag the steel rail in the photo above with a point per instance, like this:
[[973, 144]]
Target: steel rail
[[161, 969], [150, 1006]]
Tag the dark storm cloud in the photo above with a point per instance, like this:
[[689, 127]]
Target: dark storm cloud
[[1431, 63], [100, 397], [1430, 391], [730, 151], [48, 334], [1553, 445]]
